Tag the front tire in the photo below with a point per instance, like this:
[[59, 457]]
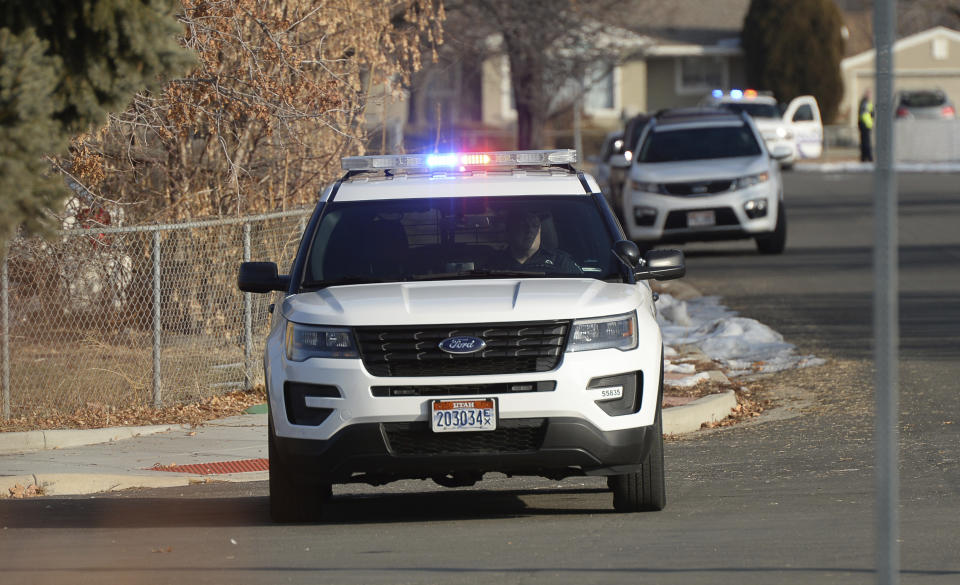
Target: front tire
[[644, 490], [291, 499], [776, 241]]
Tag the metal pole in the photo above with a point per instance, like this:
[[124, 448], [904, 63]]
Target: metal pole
[[157, 390], [885, 310], [5, 302], [247, 319]]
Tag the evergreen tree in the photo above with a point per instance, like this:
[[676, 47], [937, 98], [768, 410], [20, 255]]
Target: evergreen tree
[[64, 65], [794, 48]]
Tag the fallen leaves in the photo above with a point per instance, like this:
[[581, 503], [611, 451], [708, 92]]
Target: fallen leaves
[[18, 491], [748, 407], [96, 416]]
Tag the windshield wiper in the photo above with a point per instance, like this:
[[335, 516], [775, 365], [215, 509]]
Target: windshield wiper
[[479, 273]]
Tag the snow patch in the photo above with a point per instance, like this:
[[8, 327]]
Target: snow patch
[[741, 345]]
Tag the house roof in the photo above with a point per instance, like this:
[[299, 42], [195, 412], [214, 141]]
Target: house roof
[[693, 23], [904, 43]]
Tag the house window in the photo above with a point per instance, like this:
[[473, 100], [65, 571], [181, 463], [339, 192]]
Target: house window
[[602, 93], [701, 74], [940, 49]]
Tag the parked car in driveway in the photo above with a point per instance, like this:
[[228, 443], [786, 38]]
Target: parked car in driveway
[[924, 104], [704, 174]]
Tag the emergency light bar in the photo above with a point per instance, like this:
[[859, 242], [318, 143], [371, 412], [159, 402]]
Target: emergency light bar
[[739, 94], [510, 158]]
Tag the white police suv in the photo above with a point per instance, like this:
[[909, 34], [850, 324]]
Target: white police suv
[[451, 315], [797, 125]]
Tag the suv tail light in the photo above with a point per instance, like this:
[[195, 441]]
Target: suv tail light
[[948, 112], [902, 112]]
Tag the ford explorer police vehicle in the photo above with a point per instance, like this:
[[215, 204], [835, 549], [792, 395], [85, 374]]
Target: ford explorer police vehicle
[[456, 314]]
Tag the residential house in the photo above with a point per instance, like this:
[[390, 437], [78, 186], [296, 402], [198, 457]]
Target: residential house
[[926, 60]]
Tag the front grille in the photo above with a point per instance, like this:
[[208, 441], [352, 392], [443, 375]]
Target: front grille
[[465, 389], [697, 188], [678, 219], [414, 351], [510, 436]]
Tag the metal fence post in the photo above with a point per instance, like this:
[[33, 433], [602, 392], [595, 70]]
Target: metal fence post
[[247, 319], [157, 390], [5, 302]]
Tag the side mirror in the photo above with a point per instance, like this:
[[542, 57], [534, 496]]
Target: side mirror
[[781, 151], [261, 277], [662, 265], [619, 161], [627, 252]]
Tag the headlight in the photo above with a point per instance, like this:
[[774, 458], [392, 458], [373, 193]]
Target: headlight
[[646, 187], [750, 181], [307, 341], [619, 331]]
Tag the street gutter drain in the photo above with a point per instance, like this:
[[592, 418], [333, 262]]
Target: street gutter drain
[[216, 468]]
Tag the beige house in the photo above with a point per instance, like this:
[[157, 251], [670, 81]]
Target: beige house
[[681, 52], [925, 60]]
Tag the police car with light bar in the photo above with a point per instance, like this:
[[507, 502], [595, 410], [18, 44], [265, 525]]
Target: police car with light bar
[[449, 315], [798, 126]]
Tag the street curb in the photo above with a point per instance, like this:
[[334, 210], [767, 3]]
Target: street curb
[[690, 417], [26, 441], [676, 420], [866, 167]]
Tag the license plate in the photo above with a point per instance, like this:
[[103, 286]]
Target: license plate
[[701, 218], [452, 416]]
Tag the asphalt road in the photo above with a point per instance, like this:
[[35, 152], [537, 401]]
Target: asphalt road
[[786, 499]]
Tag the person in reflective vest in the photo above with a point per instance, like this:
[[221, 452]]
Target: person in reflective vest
[[865, 125]]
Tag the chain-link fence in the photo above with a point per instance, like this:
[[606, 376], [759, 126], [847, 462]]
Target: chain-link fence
[[146, 315]]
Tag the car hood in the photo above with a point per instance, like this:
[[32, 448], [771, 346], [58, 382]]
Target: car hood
[[699, 170], [769, 123], [464, 301]]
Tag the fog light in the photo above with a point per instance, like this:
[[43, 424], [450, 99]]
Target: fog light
[[755, 208], [644, 215]]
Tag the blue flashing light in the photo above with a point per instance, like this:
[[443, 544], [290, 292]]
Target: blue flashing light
[[442, 160], [717, 93], [736, 94]]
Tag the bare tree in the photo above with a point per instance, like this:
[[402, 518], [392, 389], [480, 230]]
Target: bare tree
[[261, 124], [556, 50]]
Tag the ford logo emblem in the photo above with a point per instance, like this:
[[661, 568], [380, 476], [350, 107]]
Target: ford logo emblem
[[462, 344]]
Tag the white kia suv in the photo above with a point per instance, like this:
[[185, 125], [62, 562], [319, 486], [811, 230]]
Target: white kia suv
[[703, 174], [452, 315]]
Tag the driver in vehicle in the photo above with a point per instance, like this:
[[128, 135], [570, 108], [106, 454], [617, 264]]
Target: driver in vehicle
[[524, 249]]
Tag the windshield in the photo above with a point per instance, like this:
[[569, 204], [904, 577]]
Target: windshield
[[753, 109], [470, 237], [698, 143]]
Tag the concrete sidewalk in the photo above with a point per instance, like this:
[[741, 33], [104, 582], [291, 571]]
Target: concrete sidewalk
[[131, 461]]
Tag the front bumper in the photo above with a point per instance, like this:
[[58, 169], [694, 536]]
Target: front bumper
[[670, 225], [378, 453]]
